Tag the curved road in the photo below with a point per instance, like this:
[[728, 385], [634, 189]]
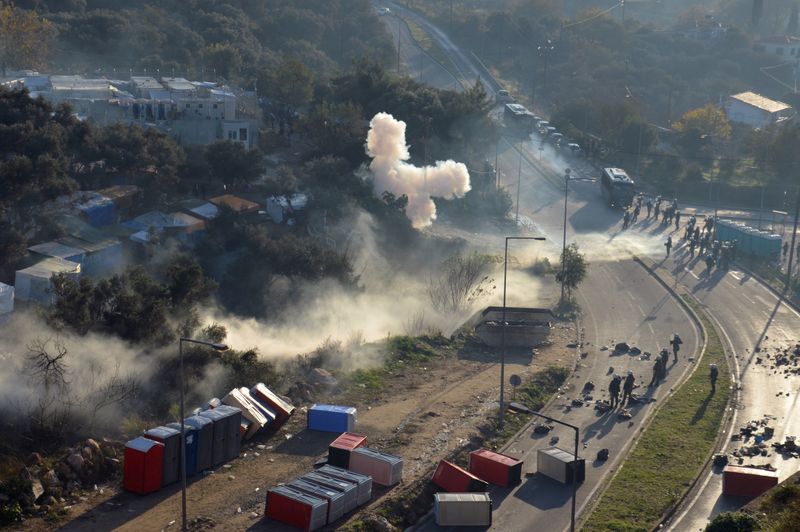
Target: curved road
[[748, 315]]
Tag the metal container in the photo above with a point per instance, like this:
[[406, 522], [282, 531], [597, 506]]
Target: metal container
[[332, 418], [233, 440], [171, 439], [462, 509], [364, 482], [192, 441], [348, 489], [335, 498], [282, 409], [296, 508], [236, 399], [205, 440], [454, 479], [747, 481], [339, 450], [559, 465], [263, 408], [144, 462], [385, 469], [496, 468], [219, 435]]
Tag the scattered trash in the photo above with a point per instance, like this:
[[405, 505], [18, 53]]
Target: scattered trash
[[602, 406], [577, 402], [554, 440], [720, 459], [604, 348], [625, 414], [622, 347], [602, 455], [645, 356], [542, 428]]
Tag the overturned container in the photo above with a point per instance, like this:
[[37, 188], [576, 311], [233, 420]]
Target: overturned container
[[265, 410], [339, 450], [363, 482], [144, 461], [296, 508], [171, 439], [348, 489], [495, 468], [454, 479], [462, 509], [282, 409], [747, 481], [385, 469], [332, 418], [335, 498], [560, 465], [258, 421]]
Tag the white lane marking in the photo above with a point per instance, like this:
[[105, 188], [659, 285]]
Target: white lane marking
[[761, 300], [735, 276], [690, 272]]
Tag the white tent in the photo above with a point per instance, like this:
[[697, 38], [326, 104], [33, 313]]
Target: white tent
[[34, 283]]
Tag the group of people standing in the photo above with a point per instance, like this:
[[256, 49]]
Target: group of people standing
[[627, 385], [667, 210]]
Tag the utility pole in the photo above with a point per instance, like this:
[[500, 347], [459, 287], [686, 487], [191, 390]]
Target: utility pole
[[639, 150], [519, 181], [398, 46], [564, 240], [794, 237]]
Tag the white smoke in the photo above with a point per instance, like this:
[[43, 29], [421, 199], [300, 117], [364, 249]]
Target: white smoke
[[386, 144]]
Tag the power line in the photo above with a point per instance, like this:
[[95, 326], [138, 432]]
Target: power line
[[596, 15]]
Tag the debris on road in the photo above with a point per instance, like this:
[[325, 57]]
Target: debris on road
[[622, 348]]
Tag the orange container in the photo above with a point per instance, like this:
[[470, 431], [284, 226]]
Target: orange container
[[747, 481]]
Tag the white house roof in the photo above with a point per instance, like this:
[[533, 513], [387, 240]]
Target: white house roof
[[761, 102], [56, 249], [49, 266]]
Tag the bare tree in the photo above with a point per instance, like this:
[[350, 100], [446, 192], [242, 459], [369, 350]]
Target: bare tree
[[49, 369], [463, 280]]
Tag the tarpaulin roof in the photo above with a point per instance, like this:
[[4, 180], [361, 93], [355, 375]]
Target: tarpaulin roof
[[191, 223], [235, 203], [56, 249], [51, 265]]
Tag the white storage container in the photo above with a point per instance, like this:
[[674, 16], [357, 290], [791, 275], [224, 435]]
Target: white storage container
[[364, 482], [348, 489], [385, 469], [559, 465], [335, 498], [250, 411], [463, 509]]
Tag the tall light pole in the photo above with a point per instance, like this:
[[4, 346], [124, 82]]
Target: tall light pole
[[545, 50], [567, 173], [217, 347], [505, 324], [523, 408], [794, 239]]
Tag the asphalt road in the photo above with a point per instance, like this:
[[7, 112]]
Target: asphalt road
[[620, 301]]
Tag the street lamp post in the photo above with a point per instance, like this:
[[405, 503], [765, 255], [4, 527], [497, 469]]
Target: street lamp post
[[505, 324], [567, 173], [523, 408], [217, 347]]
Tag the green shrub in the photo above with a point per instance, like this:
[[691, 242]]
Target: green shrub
[[733, 522]]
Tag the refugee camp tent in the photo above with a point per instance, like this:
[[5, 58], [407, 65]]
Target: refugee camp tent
[[235, 203], [34, 283], [58, 250], [6, 299]]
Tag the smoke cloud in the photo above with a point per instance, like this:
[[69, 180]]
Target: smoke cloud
[[386, 144]]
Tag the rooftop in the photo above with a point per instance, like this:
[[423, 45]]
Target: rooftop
[[761, 102], [779, 39]]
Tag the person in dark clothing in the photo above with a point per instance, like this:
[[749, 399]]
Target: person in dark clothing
[[709, 263], [676, 345], [613, 390], [627, 388], [626, 218], [692, 245], [677, 220], [658, 208], [636, 212], [697, 233], [785, 249], [649, 206], [656, 372], [668, 244], [713, 373]]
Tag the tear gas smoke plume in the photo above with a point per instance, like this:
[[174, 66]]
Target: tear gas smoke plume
[[386, 144]]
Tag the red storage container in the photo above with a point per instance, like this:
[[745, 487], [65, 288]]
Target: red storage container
[[339, 450], [495, 468], [281, 408], [747, 481], [144, 462], [296, 508], [454, 479]]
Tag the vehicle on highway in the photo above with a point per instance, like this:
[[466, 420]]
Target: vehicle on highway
[[549, 131], [573, 148], [503, 96], [383, 11], [556, 138], [616, 187], [518, 119], [541, 125]]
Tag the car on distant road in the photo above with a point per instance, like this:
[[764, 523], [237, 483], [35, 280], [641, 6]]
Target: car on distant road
[[503, 97], [556, 138], [573, 148], [383, 11]]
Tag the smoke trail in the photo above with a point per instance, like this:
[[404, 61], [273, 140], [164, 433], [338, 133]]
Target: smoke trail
[[386, 144]]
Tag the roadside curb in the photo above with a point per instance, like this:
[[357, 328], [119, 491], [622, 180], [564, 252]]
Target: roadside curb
[[603, 487], [722, 431]]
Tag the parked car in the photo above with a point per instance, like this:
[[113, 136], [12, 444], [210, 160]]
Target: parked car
[[556, 138], [574, 149], [503, 96]]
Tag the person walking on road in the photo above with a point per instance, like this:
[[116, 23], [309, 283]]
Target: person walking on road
[[657, 372], [713, 373], [668, 244], [677, 220], [649, 206], [676, 345], [627, 388], [613, 390], [626, 219], [709, 263], [785, 249]]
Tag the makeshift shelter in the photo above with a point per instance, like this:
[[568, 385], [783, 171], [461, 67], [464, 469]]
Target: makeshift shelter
[[96, 209], [101, 258], [35, 282], [188, 224], [200, 208], [235, 203], [123, 197], [281, 208], [59, 251]]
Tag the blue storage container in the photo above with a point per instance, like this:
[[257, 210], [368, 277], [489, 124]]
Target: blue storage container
[[332, 418], [204, 428], [220, 435], [192, 442]]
